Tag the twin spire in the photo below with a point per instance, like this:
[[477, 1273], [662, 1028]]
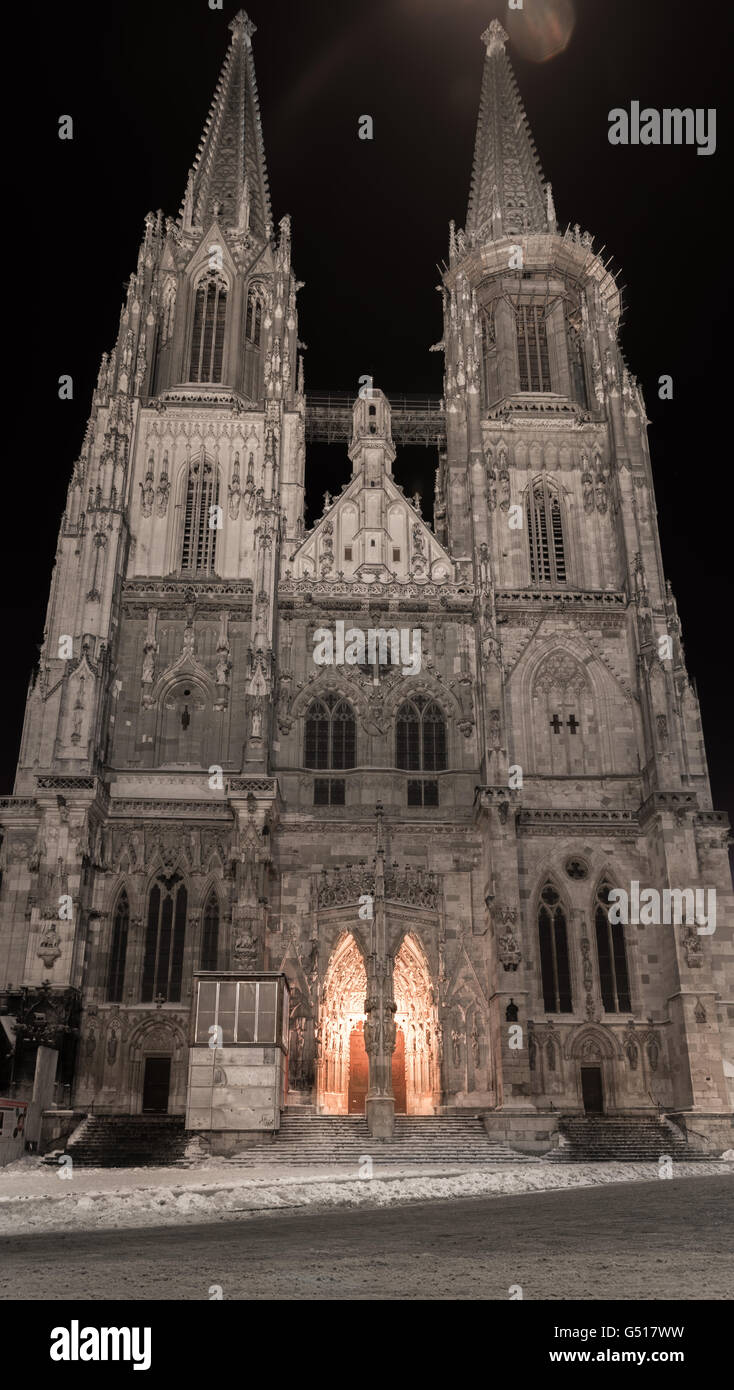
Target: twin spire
[[229, 177], [508, 195]]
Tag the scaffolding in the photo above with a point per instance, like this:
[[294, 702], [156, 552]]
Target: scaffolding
[[419, 420]]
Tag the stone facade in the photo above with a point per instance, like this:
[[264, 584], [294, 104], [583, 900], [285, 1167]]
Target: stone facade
[[170, 813]]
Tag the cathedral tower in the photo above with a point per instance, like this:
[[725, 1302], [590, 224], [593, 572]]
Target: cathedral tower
[[428, 850]]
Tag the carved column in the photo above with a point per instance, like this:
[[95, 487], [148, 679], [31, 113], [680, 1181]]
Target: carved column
[[380, 1007]]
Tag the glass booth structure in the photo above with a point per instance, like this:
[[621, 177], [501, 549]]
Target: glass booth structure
[[238, 1050]]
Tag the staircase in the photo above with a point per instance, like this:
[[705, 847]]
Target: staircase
[[128, 1141], [620, 1139], [313, 1140]]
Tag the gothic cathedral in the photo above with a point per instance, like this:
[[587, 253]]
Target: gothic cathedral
[[413, 850]]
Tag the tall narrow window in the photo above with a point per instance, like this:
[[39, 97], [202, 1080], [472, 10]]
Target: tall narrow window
[[489, 360], [545, 534], [210, 933], [207, 339], [164, 941], [576, 365], [200, 518], [612, 956], [330, 734], [118, 952], [253, 341], [554, 964], [532, 348]]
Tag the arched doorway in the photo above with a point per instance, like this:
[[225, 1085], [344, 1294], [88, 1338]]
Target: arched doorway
[[417, 1022], [341, 1040], [343, 1068]]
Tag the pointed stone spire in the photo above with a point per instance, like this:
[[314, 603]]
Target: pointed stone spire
[[230, 163], [507, 178]]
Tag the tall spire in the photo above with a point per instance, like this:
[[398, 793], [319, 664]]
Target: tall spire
[[229, 174], [507, 192]]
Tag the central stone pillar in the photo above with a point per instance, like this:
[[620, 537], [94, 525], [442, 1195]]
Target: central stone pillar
[[380, 1030], [379, 1040]]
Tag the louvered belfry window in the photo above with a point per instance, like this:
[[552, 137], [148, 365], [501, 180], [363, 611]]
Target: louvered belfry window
[[200, 518], [532, 348], [207, 341], [545, 534]]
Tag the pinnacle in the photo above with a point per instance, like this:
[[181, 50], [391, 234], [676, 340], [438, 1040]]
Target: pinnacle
[[242, 24], [507, 192], [495, 38], [231, 158]]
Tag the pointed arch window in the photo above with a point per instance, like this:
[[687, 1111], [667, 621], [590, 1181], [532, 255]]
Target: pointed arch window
[[330, 734], [165, 938], [532, 348], [210, 933], [545, 534], [554, 964], [207, 340], [200, 535], [420, 736], [118, 950], [612, 957]]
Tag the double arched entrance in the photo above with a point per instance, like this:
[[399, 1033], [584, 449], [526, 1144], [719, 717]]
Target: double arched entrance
[[343, 1067]]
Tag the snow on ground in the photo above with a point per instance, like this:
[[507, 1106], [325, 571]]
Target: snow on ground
[[34, 1197]]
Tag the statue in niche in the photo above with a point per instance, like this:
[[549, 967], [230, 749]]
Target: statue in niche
[[475, 1045], [508, 950], [223, 661], [504, 490], [601, 493], [149, 654]]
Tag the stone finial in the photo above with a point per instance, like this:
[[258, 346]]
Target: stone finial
[[495, 38], [242, 24], [550, 208]]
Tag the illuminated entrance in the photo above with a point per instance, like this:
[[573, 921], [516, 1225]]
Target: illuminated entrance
[[343, 1065], [417, 1021]]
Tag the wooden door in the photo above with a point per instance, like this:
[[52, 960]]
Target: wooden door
[[592, 1090], [156, 1085]]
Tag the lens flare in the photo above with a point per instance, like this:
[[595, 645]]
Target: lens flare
[[541, 29]]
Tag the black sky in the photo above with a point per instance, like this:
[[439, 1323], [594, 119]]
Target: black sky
[[370, 224]]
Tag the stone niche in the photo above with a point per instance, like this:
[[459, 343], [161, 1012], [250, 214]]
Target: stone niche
[[237, 1057]]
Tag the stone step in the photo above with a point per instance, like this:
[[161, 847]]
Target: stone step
[[120, 1141], [621, 1138]]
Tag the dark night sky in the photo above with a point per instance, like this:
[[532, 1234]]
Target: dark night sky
[[370, 223]]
